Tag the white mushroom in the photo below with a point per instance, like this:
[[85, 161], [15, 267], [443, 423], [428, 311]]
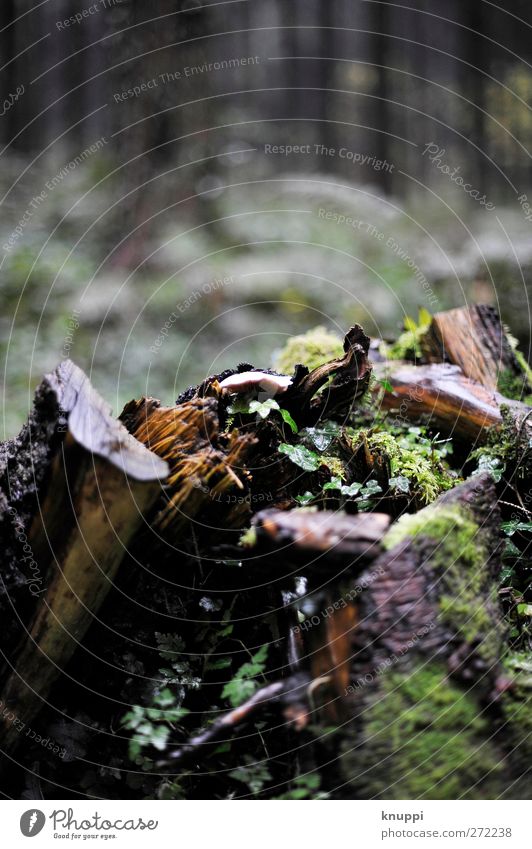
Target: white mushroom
[[260, 381]]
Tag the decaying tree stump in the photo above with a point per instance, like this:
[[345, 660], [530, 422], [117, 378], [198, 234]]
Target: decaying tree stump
[[390, 632]]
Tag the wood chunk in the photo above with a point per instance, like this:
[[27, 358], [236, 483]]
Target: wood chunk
[[474, 339], [100, 485]]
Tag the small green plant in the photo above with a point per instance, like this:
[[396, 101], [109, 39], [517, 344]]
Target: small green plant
[[263, 409], [408, 345], [243, 684], [304, 787], [151, 726], [255, 775]]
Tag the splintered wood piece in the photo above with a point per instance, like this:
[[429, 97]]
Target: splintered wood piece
[[474, 339], [325, 531], [101, 483], [205, 467], [452, 403], [333, 548]]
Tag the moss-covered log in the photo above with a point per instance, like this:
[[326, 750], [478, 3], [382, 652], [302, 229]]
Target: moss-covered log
[[430, 700]]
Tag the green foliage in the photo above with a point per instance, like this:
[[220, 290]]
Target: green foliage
[[307, 460], [408, 345], [255, 775], [516, 383], [364, 492], [311, 349], [152, 724], [304, 787], [179, 671], [516, 703], [262, 409], [244, 684], [513, 526], [416, 463], [323, 435]]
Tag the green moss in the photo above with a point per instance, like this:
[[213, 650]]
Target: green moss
[[311, 349], [416, 462], [517, 707], [458, 558], [423, 739], [514, 386]]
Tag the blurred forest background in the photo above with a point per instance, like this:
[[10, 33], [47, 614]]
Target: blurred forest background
[[149, 232]]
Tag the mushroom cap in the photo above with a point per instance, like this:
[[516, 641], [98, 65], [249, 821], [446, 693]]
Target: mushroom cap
[[261, 381]]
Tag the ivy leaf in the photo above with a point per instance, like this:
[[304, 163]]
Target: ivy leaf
[[289, 420], [371, 488], [346, 489], [334, 483], [263, 408], [352, 489], [323, 436], [307, 460], [510, 528], [305, 499], [493, 465], [400, 484]]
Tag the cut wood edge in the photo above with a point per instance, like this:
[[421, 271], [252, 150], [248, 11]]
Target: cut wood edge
[[92, 425]]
